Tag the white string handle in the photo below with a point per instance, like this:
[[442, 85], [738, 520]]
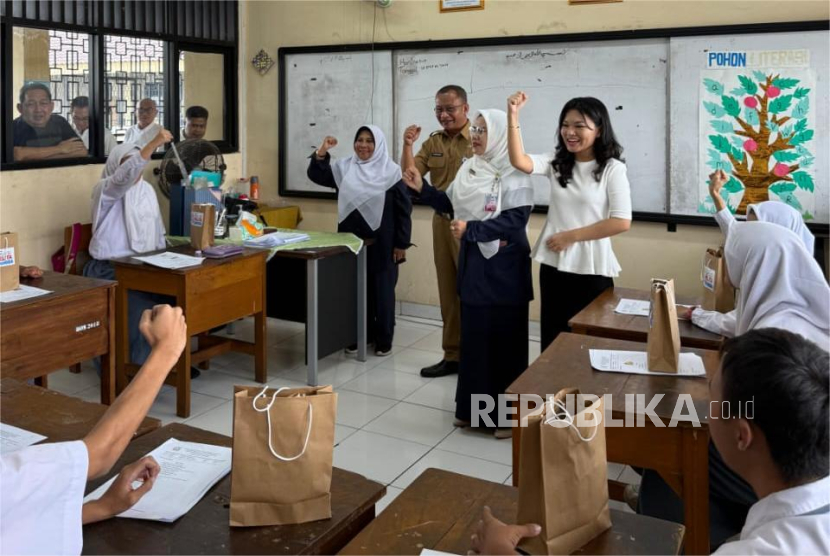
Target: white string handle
[[268, 415], [568, 419]]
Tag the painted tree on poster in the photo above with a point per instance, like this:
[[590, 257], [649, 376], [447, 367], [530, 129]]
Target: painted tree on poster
[[760, 137]]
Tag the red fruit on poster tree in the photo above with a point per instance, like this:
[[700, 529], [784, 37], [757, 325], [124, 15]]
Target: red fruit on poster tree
[[781, 170], [750, 146], [773, 91], [751, 102]]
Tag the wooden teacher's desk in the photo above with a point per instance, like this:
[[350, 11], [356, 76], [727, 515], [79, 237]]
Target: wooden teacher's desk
[[599, 319], [51, 332], [441, 510], [680, 454], [214, 293], [205, 528], [58, 417]]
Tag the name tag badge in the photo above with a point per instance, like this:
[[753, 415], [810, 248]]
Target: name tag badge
[[436, 154], [7, 256], [490, 202]]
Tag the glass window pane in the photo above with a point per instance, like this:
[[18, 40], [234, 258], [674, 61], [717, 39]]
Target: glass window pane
[[50, 70], [134, 88], [202, 91]]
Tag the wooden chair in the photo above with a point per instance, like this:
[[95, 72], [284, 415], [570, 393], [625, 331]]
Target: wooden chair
[[75, 264]]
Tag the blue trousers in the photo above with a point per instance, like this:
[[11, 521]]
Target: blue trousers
[[138, 303]]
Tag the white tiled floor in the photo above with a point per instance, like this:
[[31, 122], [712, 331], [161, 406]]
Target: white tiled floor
[[391, 422]]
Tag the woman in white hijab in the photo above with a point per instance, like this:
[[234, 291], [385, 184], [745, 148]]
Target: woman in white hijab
[[774, 212], [489, 203], [372, 203], [779, 283], [126, 221]]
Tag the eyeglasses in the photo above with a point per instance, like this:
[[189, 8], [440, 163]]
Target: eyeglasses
[[475, 130], [448, 109]]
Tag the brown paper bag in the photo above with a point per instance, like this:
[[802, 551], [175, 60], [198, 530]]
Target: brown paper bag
[[202, 223], [282, 455], [563, 476], [718, 292], [9, 262], [663, 333]]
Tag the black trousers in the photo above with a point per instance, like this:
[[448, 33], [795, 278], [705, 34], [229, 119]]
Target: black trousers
[[563, 295], [380, 306]]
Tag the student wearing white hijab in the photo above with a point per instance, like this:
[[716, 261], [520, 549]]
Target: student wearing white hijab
[[489, 203], [779, 284], [372, 203], [126, 221], [774, 212]]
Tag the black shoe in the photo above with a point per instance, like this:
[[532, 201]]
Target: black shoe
[[443, 368], [195, 373]]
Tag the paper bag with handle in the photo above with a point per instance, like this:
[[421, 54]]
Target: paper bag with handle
[[9, 262], [202, 224], [563, 474], [283, 444], [718, 292], [663, 333]]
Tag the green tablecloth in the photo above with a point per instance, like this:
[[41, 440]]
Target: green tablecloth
[[316, 240]]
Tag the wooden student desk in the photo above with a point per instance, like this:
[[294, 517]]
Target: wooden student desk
[[441, 510], [205, 529], [58, 417], [680, 454], [74, 323], [214, 293], [599, 319], [326, 289]]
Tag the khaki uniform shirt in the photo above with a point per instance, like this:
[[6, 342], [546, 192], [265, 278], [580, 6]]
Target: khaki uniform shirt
[[442, 156]]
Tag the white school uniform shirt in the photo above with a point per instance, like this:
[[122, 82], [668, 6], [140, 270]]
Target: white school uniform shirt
[[791, 521], [111, 238], [109, 140], [585, 201], [142, 136], [41, 507]]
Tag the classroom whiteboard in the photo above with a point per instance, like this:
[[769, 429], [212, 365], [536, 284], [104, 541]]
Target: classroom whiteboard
[[332, 94], [689, 59], [629, 77]]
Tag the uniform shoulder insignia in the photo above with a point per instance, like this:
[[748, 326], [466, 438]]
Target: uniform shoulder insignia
[[436, 132]]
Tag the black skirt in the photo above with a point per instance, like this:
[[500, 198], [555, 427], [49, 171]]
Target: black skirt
[[494, 352]]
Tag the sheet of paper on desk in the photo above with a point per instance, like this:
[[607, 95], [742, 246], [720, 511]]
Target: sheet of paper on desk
[[188, 471], [275, 239], [637, 307], [21, 293], [171, 260], [429, 552], [635, 362], [14, 438]]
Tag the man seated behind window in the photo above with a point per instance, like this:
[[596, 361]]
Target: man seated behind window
[[196, 118], [38, 133], [146, 129], [79, 110]]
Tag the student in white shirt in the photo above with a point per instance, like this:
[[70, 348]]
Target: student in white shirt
[[146, 129], [780, 442], [79, 112], [126, 221], [42, 486], [774, 212], [590, 201], [769, 419]]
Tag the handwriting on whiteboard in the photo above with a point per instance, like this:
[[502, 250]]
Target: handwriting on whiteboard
[[334, 59], [526, 55], [412, 65]]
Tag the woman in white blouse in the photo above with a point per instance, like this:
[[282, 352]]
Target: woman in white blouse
[[590, 201]]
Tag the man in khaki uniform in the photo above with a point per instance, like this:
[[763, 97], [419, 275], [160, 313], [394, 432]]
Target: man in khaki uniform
[[442, 155]]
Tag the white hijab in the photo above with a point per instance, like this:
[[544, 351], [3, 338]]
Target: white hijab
[[783, 214], [489, 173], [779, 284], [142, 215], [362, 185]]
